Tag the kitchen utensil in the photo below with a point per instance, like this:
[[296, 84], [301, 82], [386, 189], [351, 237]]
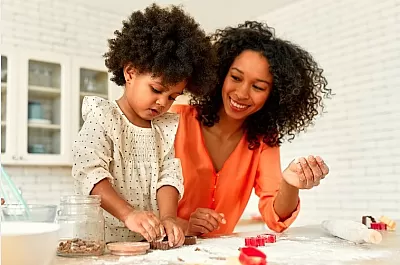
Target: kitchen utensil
[[28, 243], [351, 231], [11, 194]]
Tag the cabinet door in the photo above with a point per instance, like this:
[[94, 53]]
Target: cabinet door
[[44, 127], [9, 98], [90, 78]]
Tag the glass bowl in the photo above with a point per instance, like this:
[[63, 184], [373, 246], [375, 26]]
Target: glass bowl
[[36, 213]]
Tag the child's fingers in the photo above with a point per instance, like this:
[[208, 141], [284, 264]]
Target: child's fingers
[[151, 231], [156, 225], [171, 236], [144, 233], [179, 236]]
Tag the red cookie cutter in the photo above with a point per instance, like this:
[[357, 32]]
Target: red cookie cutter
[[252, 256], [373, 224], [268, 238], [378, 226], [259, 240]]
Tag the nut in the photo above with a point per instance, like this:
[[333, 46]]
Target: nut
[[80, 247]]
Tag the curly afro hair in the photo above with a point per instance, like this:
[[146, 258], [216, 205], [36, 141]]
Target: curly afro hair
[[297, 90], [167, 43]]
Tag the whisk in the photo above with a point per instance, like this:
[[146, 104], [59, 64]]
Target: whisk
[[10, 194]]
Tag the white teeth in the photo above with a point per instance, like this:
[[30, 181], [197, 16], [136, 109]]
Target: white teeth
[[237, 105]]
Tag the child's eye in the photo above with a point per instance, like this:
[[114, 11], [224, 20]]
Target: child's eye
[[172, 98], [156, 91]]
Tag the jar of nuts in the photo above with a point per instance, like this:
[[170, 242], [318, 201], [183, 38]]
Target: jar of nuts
[[81, 223]]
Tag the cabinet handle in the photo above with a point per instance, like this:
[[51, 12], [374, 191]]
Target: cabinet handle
[[14, 157], [21, 158]]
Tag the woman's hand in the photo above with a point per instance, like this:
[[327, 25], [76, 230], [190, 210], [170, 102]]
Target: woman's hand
[[203, 221], [305, 173]]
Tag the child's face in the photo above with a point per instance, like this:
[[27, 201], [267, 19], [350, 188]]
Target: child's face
[[147, 97]]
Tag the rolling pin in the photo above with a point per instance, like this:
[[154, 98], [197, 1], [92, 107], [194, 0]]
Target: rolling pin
[[352, 231]]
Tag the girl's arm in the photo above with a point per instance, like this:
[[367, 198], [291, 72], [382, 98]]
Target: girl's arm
[[167, 198], [111, 201]]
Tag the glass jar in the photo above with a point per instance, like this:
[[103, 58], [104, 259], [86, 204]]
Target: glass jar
[[81, 223]]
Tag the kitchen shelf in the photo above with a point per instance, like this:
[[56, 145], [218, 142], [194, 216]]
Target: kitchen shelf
[[84, 94], [44, 126], [48, 92]]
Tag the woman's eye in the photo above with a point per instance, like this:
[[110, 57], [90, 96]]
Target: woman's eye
[[235, 78], [171, 98], [259, 88]]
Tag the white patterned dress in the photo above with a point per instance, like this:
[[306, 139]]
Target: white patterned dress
[[137, 161]]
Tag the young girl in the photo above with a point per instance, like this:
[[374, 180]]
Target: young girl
[[124, 151]]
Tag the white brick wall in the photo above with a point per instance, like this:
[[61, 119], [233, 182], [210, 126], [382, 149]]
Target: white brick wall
[[61, 27], [58, 26], [358, 45]]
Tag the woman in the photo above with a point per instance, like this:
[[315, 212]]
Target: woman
[[228, 141]]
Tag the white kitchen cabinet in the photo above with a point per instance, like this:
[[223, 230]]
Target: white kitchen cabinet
[[41, 98], [90, 78], [9, 96], [42, 119]]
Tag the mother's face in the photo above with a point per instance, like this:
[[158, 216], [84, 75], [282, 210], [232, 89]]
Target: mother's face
[[247, 85]]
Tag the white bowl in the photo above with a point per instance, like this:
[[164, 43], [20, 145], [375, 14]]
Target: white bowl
[[28, 243]]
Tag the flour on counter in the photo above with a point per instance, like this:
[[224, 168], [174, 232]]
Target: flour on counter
[[297, 250]]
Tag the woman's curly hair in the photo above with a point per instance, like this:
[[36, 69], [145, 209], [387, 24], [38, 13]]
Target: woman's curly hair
[[297, 90], [167, 43]]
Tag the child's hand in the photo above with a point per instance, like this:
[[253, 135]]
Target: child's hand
[[175, 234], [146, 224]]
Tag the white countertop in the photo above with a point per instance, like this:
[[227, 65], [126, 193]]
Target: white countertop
[[308, 245]]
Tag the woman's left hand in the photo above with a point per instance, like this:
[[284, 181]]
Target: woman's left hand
[[305, 173]]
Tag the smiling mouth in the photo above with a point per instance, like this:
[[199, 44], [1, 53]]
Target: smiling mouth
[[237, 106]]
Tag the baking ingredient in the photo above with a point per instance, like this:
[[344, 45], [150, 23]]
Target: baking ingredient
[[310, 247], [79, 246], [351, 231]]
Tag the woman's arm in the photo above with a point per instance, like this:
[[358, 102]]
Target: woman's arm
[[286, 200], [279, 203]]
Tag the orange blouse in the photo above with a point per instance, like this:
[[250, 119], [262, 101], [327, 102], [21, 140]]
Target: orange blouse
[[227, 191]]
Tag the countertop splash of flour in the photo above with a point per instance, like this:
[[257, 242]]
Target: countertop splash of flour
[[286, 251]]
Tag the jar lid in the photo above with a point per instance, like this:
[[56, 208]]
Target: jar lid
[[128, 248], [80, 199]]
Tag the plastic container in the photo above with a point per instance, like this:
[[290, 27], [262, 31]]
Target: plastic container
[[81, 223]]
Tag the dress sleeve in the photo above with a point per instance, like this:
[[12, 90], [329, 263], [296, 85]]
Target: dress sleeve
[[171, 173], [92, 151], [171, 169], [267, 182]]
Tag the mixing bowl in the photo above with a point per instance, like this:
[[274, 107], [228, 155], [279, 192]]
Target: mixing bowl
[[28, 243], [37, 213]]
